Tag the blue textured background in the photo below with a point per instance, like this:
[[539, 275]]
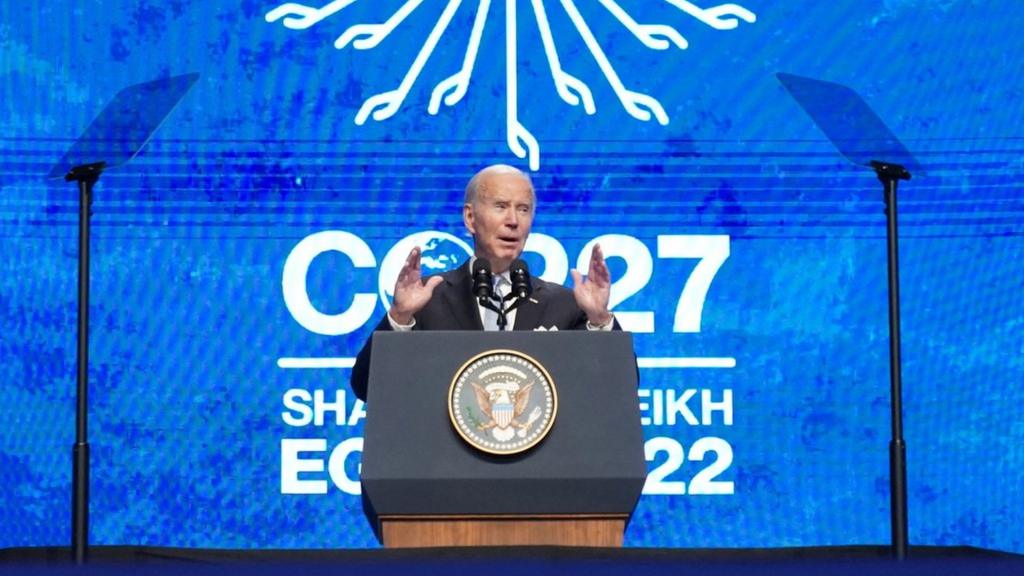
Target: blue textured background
[[190, 241]]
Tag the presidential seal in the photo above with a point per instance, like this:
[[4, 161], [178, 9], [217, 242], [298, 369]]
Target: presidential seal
[[502, 402]]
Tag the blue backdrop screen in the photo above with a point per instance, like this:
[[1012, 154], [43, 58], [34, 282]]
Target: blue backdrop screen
[[241, 259]]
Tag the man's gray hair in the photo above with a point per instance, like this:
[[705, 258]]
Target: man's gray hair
[[473, 188]]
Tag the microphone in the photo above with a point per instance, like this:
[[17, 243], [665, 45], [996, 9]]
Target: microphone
[[482, 282], [519, 274]]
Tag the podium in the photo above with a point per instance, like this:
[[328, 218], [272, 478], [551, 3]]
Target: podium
[[425, 486]]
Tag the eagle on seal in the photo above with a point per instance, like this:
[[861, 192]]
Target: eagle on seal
[[503, 403]]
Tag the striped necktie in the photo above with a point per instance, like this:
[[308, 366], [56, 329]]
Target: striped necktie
[[501, 288]]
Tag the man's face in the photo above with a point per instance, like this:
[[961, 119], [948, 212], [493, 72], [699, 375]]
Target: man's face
[[500, 218]]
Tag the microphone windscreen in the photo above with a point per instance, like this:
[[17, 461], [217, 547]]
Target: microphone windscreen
[[481, 265], [482, 287], [519, 274], [519, 266]]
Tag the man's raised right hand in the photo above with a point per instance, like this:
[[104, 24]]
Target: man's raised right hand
[[411, 292]]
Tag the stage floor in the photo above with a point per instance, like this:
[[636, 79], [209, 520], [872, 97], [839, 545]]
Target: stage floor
[[839, 560]]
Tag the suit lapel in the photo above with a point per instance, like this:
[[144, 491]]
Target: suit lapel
[[529, 313], [460, 300]]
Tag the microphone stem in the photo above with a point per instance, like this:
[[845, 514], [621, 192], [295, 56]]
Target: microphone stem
[[502, 320]]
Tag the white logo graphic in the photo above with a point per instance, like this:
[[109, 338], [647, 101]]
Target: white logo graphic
[[570, 89]]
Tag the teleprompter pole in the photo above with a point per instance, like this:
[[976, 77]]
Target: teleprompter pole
[[86, 177], [890, 175]]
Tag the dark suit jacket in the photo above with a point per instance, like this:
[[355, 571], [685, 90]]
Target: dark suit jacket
[[453, 307]]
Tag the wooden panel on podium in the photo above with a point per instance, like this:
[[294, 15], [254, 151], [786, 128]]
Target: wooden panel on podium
[[443, 531]]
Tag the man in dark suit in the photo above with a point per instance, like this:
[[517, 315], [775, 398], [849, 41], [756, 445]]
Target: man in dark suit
[[498, 211]]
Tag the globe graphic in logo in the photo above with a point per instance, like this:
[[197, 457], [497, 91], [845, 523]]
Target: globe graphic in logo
[[441, 252]]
